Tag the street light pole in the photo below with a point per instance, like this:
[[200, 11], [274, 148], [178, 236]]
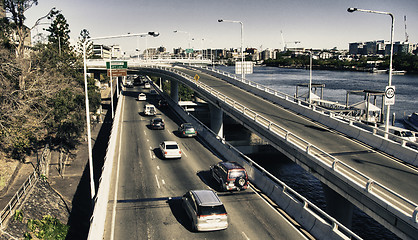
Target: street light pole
[[92, 187], [242, 43], [177, 31], [392, 31]]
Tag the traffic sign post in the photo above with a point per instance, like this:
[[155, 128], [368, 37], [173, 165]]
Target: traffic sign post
[[390, 95], [196, 77], [117, 68]]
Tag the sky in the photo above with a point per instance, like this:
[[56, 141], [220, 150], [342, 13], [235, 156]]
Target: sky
[[318, 24]]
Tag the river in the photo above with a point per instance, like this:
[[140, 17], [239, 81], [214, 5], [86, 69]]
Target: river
[[336, 85]]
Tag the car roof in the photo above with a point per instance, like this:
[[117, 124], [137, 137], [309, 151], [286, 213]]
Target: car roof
[[231, 165], [206, 197], [170, 143], [141, 94], [157, 119]]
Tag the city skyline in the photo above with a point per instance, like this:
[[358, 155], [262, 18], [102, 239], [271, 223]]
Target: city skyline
[[323, 24]]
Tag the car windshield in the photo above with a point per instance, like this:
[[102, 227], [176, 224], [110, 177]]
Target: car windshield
[[171, 146], [211, 210], [157, 120], [236, 174]]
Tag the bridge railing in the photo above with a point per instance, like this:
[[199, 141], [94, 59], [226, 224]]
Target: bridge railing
[[394, 202], [349, 120]]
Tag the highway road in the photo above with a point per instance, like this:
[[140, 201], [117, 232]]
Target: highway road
[[382, 168], [146, 191]]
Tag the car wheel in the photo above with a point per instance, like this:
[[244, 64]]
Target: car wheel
[[240, 182]]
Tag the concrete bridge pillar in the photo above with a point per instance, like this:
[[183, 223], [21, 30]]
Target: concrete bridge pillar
[[174, 90], [216, 120], [338, 207]]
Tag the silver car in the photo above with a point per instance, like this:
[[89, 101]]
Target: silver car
[[205, 210]]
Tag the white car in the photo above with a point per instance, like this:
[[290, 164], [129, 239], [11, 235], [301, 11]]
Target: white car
[[170, 149], [147, 85], [142, 97]]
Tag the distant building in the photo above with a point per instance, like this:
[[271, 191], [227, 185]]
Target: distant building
[[101, 51], [380, 47]]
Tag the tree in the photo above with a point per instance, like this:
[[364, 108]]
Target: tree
[[59, 34], [84, 36]]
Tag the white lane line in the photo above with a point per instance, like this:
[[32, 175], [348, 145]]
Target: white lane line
[[115, 197], [162, 180], [147, 140], [145, 133], [156, 178], [245, 236], [183, 152], [150, 154], [158, 167]]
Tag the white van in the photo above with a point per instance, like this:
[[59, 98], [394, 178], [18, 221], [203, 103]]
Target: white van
[[150, 110]]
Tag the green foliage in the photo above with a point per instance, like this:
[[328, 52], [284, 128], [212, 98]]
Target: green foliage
[[18, 216], [48, 228], [185, 93]]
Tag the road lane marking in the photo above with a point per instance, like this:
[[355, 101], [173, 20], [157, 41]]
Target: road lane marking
[[245, 236], [162, 180], [158, 167], [150, 154], [115, 197], [156, 178], [145, 133], [184, 153]]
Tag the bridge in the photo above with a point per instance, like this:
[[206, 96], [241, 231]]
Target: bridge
[[377, 179]]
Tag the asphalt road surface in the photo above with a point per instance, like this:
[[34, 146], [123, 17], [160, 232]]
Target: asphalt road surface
[[149, 188]]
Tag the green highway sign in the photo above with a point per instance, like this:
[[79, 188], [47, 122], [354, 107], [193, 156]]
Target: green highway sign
[[117, 65], [189, 50]]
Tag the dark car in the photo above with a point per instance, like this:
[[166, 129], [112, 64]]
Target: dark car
[[157, 123], [187, 130], [230, 176], [162, 103]]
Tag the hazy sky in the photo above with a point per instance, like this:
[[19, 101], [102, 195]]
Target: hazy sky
[[315, 23]]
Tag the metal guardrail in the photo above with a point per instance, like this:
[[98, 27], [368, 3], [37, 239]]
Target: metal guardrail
[[400, 205], [21, 193], [307, 205]]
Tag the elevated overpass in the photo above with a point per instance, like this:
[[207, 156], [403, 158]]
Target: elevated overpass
[[376, 182]]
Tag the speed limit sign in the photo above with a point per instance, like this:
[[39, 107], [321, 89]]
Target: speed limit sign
[[390, 95]]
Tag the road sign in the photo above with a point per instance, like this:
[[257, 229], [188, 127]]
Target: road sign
[[196, 77], [117, 72], [189, 50], [248, 67], [389, 95], [117, 65]]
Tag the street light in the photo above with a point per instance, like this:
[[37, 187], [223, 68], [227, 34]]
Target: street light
[[177, 31], [242, 42], [155, 34], [350, 10]]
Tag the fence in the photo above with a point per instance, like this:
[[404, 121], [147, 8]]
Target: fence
[[19, 196]]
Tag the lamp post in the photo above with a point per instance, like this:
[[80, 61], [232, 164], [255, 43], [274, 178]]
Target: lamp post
[[189, 39], [92, 187], [390, 58], [242, 42]]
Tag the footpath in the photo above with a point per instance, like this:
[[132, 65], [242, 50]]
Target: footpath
[[64, 194]]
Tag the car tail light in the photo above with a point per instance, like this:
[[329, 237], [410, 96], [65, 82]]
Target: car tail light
[[180, 152], [165, 153]]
